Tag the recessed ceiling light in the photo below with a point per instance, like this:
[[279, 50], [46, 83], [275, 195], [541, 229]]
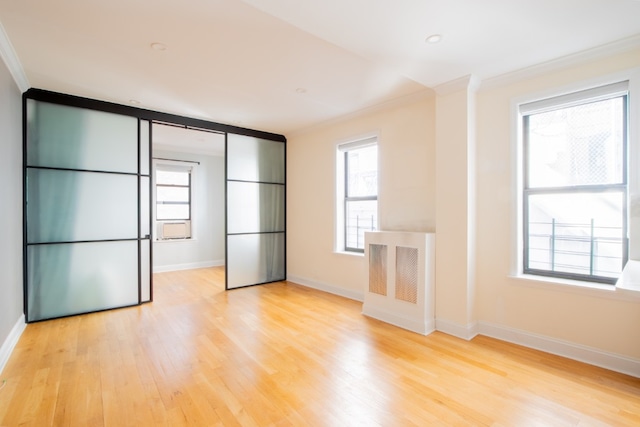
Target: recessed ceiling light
[[434, 38], [301, 90], [158, 46]]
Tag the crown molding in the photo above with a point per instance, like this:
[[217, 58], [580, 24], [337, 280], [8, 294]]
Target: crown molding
[[578, 58], [468, 82], [423, 94], [10, 58]]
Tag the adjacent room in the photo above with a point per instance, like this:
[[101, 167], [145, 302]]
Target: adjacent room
[[276, 213], [189, 222]]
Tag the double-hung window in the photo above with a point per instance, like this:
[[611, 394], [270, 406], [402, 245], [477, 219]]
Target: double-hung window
[[173, 193], [359, 192], [575, 184], [173, 201]]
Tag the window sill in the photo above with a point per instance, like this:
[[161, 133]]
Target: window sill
[[616, 292], [174, 240], [349, 253], [630, 279]]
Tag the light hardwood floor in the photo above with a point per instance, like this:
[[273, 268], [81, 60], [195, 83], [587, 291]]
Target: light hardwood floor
[[284, 355]]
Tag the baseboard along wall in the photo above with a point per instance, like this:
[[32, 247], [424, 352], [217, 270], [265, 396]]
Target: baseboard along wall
[[570, 350], [10, 342], [347, 293], [592, 356], [187, 266]]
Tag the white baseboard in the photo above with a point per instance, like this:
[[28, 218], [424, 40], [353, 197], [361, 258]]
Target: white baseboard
[[10, 342], [187, 266], [590, 355], [465, 332], [410, 324], [347, 293]]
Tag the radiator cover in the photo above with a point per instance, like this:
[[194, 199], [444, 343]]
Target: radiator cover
[[400, 286]]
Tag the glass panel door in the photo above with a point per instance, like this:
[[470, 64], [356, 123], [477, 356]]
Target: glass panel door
[[87, 210], [256, 252]]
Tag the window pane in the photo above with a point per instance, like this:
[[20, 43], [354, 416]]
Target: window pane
[[255, 159], [76, 138], [361, 216], [362, 171], [69, 205], [145, 142], [579, 145], [145, 270], [172, 177], [65, 279], [579, 233], [172, 194], [255, 207], [169, 212], [255, 258], [145, 205]]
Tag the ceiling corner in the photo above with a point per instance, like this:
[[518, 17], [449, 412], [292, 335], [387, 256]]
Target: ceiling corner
[[469, 82], [12, 61]]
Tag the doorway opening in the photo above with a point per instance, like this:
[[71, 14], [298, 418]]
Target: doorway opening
[[188, 198]]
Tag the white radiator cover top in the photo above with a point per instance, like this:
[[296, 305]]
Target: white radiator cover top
[[400, 286]]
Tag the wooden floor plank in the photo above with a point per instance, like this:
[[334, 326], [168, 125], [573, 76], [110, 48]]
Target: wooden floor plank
[[284, 355]]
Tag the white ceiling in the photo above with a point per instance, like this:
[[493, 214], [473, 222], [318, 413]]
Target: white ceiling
[[172, 138], [282, 65]]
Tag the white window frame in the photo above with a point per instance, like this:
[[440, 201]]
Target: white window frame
[[340, 201], [614, 91], [186, 166], [633, 163]]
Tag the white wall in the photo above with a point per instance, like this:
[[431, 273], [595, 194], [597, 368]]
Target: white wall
[[595, 325], [406, 200], [455, 210], [11, 301], [206, 248], [602, 320]]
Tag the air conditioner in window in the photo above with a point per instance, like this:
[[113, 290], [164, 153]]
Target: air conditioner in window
[[174, 230]]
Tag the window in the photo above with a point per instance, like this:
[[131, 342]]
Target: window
[[575, 185], [173, 194], [173, 200], [358, 192]]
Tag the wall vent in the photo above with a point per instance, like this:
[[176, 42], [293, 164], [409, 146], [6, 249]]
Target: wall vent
[[378, 269], [407, 274]]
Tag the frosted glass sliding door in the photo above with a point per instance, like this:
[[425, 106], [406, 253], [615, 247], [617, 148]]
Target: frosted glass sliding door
[[66, 205], [87, 196], [72, 278], [256, 223]]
